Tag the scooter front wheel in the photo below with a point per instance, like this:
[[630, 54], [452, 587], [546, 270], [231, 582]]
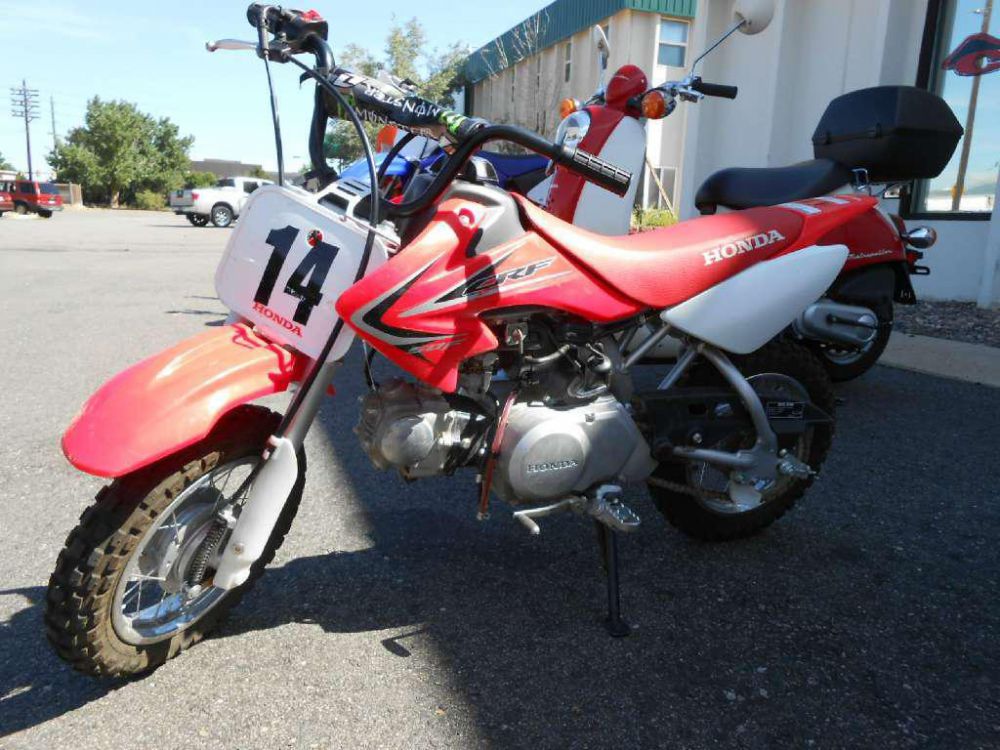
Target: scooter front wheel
[[120, 600]]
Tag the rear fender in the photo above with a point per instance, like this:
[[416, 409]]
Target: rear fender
[[173, 399]]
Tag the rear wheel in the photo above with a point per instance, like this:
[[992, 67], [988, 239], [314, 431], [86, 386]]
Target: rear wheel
[[694, 497], [121, 600], [846, 364], [222, 215], [197, 219], [20, 208]]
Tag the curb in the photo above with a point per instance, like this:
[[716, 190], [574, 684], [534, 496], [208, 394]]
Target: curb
[[957, 360]]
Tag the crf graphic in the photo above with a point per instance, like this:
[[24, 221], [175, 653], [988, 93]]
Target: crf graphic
[[975, 56]]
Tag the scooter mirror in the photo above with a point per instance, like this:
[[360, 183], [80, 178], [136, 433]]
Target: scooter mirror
[[602, 44], [753, 15]]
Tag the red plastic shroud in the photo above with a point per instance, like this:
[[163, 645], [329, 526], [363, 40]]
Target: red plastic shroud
[[426, 308], [173, 399]]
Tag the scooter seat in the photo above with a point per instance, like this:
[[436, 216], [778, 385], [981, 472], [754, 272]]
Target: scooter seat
[[746, 187]]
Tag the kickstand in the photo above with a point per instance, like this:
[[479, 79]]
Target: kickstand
[[607, 541]]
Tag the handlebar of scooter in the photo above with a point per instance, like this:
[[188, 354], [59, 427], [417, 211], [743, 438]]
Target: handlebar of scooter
[[714, 89]]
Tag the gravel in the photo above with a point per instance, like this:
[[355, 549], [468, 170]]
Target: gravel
[[961, 321]]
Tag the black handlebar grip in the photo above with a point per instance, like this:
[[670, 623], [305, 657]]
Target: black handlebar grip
[[595, 169], [715, 89]]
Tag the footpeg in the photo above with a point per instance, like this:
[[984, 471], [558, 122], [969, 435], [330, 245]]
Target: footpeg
[[607, 508]]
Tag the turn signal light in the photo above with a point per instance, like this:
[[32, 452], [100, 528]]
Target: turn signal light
[[654, 106], [568, 107], [194, 196]]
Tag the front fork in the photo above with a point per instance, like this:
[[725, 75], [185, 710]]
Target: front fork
[[270, 483]]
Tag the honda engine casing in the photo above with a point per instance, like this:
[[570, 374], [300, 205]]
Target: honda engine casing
[[551, 452]]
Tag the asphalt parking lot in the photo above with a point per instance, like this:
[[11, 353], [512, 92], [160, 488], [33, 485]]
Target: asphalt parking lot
[[867, 618]]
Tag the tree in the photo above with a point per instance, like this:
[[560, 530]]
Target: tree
[[199, 179], [436, 75], [259, 173], [4, 164], [120, 151]]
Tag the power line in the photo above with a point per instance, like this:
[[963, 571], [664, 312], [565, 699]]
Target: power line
[[24, 105]]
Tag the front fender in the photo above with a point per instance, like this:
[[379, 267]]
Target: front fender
[[173, 399]]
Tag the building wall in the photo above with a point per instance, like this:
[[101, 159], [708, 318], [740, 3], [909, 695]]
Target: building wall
[[787, 74], [528, 93]]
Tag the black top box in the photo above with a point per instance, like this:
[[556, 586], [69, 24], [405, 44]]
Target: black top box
[[897, 133]]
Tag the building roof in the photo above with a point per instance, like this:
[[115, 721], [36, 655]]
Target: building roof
[[555, 22]]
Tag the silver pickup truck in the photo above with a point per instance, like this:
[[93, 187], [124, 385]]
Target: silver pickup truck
[[220, 204]]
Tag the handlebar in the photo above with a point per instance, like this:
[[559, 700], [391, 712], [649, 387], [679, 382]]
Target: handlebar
[[591, 167], [714, 89], [298, 31]]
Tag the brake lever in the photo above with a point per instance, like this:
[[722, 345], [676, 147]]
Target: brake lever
[[232, 44]]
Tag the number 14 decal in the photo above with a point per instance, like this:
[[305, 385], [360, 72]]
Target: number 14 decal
[[315, 266]]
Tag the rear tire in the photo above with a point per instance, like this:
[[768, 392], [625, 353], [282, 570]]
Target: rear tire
[[693, 515], [80, 609], [222, 215], [197, 219], [20, 209], [844, 365]]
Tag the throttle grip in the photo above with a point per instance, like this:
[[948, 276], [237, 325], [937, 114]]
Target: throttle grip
[[595, 169], [715, 89]]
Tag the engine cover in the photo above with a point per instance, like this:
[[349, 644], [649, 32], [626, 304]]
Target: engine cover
[[418, 429], [549, 453]]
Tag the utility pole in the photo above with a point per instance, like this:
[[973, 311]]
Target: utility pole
[[970, 119], [24, 104], [52, 109]]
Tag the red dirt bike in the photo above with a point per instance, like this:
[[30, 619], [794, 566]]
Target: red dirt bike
[[887, 134], [463, 283]]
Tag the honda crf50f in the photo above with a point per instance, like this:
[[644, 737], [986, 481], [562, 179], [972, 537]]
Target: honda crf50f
[[455, 287]]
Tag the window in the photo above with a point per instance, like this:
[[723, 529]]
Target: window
[[226, 182], [567, 61], [651, 194], [249, 187], [970, 84], [673, 43], [26, 187], [49, 188]]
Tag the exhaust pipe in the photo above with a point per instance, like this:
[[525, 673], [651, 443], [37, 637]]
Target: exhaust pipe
[[835, 323]]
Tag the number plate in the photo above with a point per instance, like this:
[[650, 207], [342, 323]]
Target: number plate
[[287, 262]]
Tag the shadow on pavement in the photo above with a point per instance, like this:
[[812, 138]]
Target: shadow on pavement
[[34, 685]]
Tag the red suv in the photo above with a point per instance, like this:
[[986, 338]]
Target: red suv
[[6, 204], [41, 198]]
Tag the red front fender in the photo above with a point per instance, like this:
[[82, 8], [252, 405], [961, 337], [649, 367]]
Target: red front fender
[[174, 399]]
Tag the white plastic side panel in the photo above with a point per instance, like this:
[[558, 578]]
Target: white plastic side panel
[[600, 210], [744, 312], [269, 261], [267, 497]]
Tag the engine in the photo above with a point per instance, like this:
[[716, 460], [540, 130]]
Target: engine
[[420, 430], [551, 452], [548, 452]]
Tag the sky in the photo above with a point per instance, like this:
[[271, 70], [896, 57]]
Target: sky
[[153, 54]]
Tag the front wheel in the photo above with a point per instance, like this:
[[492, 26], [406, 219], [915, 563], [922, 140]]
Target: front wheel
[[45, 214], [197, 219], [694, 497], [121, 600], [222, 215]]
